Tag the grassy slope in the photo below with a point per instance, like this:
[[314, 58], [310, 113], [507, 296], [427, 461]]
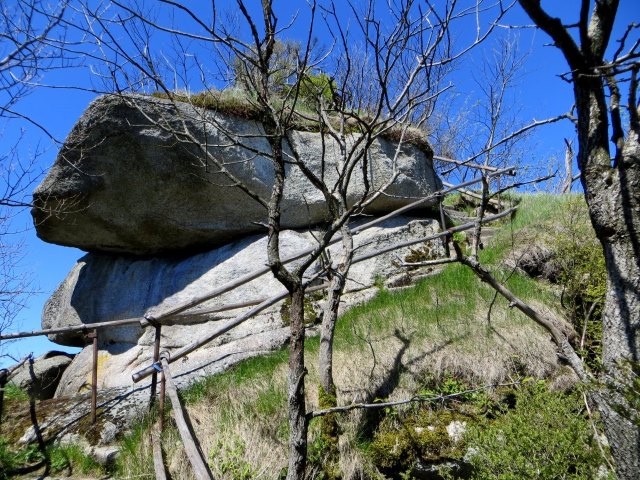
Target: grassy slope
[[390, 347]]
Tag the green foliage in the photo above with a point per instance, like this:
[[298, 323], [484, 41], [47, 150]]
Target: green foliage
[[73, 459], [400, 441], [580, 253], [15, 393], [460, 237], [228, 460], [583, 276], [446, 386], [12, 458], [67, 458], [317, 86], [546, 436], [322, 452], [324, 448]]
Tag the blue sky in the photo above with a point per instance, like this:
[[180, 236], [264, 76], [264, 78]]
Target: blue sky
[[539, 94]]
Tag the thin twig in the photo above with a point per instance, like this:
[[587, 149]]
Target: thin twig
[[414, 399]]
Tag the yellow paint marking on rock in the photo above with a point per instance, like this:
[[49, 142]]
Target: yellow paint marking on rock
[[103, 359]]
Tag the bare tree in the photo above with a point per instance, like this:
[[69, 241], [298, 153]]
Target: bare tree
[[405, 62], [377, 80], [568, 167], [480, 129], [30, 44], [605, 85]]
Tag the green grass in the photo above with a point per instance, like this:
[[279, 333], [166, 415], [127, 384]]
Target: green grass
[[136, 454], [407, 339], [244, 372], [14, 393], [72, 459], [67, 459], [235, 102]]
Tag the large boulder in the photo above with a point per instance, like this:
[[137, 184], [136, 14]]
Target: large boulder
[[104, 287], [139, 175], [39, 377]]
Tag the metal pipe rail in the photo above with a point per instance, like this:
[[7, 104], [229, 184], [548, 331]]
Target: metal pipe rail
[[182, 308], [145, 372]]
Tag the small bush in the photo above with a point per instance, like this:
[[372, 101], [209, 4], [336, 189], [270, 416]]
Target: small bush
[[546, 436], [71, 458], [15, 393], [583, 277]]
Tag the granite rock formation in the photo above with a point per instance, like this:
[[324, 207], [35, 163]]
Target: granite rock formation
[[139, 175]]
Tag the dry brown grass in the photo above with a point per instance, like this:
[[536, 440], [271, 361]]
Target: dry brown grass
[[235, 102], [236, 435], [389, 348]]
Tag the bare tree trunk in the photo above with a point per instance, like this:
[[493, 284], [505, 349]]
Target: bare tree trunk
[[330, 315], [296, 400], [327, 390], [613, 196], [621, 318], [327, 396], [612, 191], [568, 167]]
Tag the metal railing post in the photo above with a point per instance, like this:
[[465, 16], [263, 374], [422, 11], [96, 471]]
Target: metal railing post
[[94, 375], [443, 227], [156, 359]]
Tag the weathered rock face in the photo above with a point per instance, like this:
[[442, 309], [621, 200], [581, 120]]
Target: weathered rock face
[[104, 287], [40, 377], [140, 176]]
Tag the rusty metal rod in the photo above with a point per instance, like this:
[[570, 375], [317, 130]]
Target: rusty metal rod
[[94, 376], [156, 358], [145, 372]]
